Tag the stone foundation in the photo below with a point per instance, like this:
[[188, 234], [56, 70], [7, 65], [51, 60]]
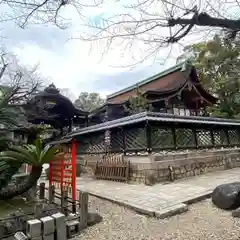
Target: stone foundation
[[176, 166], [156, 168]]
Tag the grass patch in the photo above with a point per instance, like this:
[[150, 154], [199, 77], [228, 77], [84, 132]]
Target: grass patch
[[11, 206]]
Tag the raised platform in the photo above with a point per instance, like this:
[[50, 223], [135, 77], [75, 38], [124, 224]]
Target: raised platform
[[157, 168], [159, 200]]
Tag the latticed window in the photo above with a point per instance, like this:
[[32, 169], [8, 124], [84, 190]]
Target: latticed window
[[136, 138], [220, 137], [117, 140], [161, 137], [184, 137], [233, 136], [98, 143], [204, 138]]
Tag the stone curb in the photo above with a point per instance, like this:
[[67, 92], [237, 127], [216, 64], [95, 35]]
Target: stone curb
[[171, 211], [199, 197], [175, 209]]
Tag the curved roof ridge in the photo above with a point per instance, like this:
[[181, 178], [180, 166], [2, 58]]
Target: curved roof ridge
[[182, 66]]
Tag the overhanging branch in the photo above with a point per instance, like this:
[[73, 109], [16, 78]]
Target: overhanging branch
[[203, 19]]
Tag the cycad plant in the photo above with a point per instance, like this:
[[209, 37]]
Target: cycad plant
[[35, 155], [9, 119]]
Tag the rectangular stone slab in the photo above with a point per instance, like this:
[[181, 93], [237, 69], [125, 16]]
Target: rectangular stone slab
[[20, 236], [60, 226], [34, 228], [48, 237], [48, 225]]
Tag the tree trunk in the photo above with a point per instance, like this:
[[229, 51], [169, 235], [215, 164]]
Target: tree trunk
[[10, 192], [7, 174]]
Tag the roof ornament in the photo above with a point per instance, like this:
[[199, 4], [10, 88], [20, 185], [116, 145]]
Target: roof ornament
[[166, 101], [179, 95], [190, 86], [51, 89]]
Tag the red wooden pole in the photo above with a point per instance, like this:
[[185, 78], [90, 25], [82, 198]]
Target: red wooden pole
[[74, 163], [50, 173], [62, 174]]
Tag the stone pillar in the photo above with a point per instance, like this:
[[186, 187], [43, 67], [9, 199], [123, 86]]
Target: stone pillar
[[60, 226], [83, 210], [48, 228], [34, 229]]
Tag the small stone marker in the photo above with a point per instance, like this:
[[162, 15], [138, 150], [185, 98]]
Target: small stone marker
[[38, 210], [73, 228], [20, 236], [83, 209], [34, 229], [60, 226], [48, 228]]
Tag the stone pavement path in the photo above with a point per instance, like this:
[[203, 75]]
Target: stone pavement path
[[160, 200]]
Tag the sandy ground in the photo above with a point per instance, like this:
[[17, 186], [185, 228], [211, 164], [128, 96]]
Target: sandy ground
[[202, 221]]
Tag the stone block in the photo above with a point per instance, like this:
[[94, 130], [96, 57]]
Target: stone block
[[49, 237], [34, 228], [172, 210], [48, 225], [73, 228], [20, 236], [141, 209], [37, 238], [59, 220], [60, 226]]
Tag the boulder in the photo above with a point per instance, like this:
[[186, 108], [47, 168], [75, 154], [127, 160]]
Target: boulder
[[227, 196], [236, 213]]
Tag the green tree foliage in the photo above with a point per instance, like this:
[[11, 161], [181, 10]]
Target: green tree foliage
[[36, 155], [9, 119], [218, 65], [89, 101], [138, 103]]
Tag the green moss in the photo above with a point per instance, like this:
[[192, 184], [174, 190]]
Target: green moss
[[11, 206]]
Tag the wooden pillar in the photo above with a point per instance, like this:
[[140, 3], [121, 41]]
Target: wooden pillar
[[148, 137], [195, 137], [124, 141], [70, 124], [61, 174], [196, 109], [50, 173], [227, 136], [174, 136], [74, 166], [212, 137]]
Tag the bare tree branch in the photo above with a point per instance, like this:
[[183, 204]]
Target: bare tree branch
[[153, 25], [22, 82], [24, 12]]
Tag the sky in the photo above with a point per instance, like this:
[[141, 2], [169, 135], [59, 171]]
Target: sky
[[72, 64]]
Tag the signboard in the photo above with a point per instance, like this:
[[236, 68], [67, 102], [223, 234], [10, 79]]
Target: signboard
[[62, 170]]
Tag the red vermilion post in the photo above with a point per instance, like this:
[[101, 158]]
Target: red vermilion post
[[50, 173], [61, 174], [74, 163]]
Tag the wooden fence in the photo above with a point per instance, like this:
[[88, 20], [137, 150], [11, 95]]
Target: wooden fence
[[112, 168]]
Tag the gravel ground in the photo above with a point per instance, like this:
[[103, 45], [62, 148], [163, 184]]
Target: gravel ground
[[202, 221]]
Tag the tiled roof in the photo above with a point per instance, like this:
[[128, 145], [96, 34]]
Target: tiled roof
[[179, 67]]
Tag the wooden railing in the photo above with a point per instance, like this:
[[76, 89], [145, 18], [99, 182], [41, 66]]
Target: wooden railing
[[112, 167]]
